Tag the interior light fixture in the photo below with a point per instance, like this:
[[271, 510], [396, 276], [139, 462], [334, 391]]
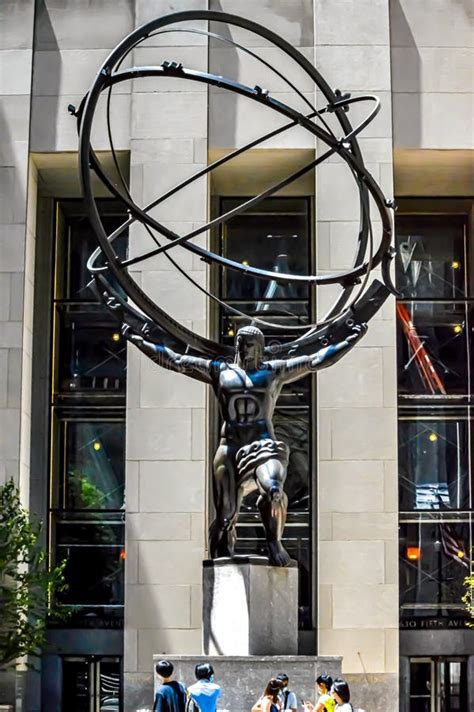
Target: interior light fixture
[[413, 553]]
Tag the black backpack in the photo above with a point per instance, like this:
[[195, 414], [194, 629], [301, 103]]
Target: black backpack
[[192, 705]]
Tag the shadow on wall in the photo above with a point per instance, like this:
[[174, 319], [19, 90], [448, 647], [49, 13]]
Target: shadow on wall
[[293, 21], [13, 165], [222, 134], [44, 107], [467, 6], [406, 80], [276, 15]]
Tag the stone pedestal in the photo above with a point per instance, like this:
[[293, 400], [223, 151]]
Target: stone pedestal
[[249, 607], [243, 679]]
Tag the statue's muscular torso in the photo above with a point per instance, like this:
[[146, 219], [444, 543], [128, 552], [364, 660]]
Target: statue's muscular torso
[[247, 400]]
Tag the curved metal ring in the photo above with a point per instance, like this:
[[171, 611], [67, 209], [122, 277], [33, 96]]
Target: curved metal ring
[[352, 157]]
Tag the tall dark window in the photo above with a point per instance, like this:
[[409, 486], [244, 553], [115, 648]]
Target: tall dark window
[[435, 323], [87, 429], [276, 236]]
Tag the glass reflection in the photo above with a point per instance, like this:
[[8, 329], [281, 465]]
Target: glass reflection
[[433, 341], [91, 684], [275, 239], [433, 460], [109, 687], [434, 560], [92, 353], [78, 243], [94, 457], [430, 259], [93, 546]]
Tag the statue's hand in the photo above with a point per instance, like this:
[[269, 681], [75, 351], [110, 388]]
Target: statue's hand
[[358, 331], [111, 302], [129, 334], [126, 331]]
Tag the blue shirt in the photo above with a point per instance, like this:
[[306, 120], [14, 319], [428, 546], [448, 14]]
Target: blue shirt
[[205, 693], [170, 697]]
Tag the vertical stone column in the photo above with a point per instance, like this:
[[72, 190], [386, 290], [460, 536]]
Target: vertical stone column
[[16, 241], [166, 416], [358, 534]]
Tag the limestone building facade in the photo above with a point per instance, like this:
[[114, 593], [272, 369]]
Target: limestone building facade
[[78, 408]]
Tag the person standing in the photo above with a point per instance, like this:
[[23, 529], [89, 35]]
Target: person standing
[[326, 702], [341, 693], [205, 692], [171, 695], [287, 698], [269, 700]]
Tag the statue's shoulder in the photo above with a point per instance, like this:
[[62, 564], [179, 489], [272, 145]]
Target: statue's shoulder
[[218, 365]]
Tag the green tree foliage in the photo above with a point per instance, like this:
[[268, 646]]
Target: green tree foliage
[[468, 598], [27, 588]]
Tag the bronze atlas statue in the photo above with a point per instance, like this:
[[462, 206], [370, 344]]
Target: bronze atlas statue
[[247, 379]]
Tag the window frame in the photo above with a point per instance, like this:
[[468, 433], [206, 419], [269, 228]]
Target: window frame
[[295, 519], [413, 407]]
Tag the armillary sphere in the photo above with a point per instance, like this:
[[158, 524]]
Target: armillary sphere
[[357, 300]]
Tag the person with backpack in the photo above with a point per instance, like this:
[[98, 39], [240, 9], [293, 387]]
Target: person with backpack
[[170, 695], [326, 702], [287, 698], [204, 694]]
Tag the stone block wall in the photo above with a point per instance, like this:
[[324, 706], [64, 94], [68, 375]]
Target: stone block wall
[[432, 57], [357, 446], [17, 216], [166, 412]]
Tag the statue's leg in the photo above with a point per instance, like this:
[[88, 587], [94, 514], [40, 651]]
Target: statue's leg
[[226, 502], [273, 505]]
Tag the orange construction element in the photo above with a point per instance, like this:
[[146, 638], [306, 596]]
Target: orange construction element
[[422, 359]]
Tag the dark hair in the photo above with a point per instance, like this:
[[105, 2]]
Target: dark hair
[[342, 689], [283, 677], [324, 680], [273, 688], [164, 668], [204, 671]]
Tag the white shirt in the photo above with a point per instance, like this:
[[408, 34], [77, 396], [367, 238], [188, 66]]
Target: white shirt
[[291, 703]]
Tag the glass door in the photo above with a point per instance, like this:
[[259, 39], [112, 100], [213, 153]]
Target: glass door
[[438, 685], [452, 685], [91, 684]]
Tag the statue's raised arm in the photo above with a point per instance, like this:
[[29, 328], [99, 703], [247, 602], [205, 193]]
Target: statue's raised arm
[[194, 366], [291, 369]]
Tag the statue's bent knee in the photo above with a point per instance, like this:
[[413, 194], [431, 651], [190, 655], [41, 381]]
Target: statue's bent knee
[[275, 493]]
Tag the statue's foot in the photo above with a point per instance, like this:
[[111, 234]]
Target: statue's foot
[[223, 551], [278, 556], [219, 544]]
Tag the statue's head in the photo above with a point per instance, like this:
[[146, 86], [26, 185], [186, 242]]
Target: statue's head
[[249, 345]]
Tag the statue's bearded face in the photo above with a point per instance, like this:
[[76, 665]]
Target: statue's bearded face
[[248, 348]]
